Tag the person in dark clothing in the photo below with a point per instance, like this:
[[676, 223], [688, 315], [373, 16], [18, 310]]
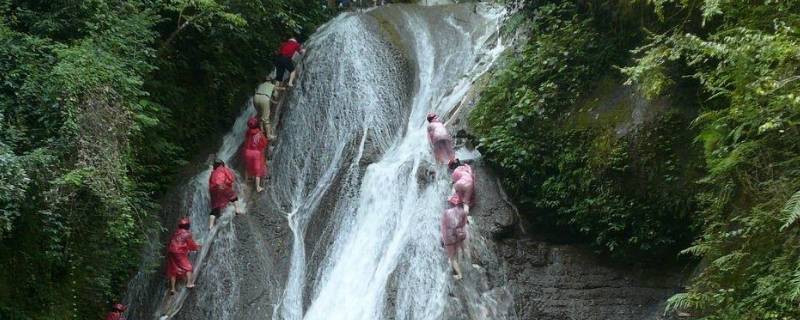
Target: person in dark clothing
[[283, 62]]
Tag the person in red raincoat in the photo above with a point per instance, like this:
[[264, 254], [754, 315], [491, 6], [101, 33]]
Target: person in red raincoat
[[255, 143], [440, 139], [116, 312], [220, 186], [178, 264], [454, 232], [463, 182]]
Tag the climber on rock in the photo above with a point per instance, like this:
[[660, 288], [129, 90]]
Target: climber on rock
[[263, 101], [283, 61], [463, 182], [440, 139], [255, 145], [454, 233], [178, 264], [116, 312], [220, 186]]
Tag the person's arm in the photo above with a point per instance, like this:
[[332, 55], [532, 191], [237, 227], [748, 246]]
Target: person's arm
[[263, 142], [468, 197], [191, 245], [443, 228]]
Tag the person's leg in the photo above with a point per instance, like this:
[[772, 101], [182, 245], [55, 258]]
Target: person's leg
[[450, 153], [211, 220], [456, 268], [189, 280], [276, 116], [291, 78], [172, 281], [438, 150], [292, 72], [279, 70], [236, 206], [466, 247], [266, 126]]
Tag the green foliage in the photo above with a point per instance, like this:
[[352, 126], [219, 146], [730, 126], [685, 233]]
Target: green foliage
[[745, 60], [13, 185], [629, 196], [101, 102], [741, 60], [791, 210]]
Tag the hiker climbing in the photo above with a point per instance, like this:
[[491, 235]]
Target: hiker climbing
[[283, 62], [116, 312], [263, 101], [178, 264], [463, 183], [255, 145], [440, 139], [454, 233], [220, 185]]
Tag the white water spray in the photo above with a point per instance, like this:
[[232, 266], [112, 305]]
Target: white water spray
[[383, 222]]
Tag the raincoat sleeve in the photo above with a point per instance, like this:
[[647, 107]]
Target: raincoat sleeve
[[191, 245], [263, 142], [468, 194], [229, 177]]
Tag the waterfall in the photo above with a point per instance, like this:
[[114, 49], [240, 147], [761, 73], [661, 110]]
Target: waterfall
[[213, 264], [355, 146], [352, 175]]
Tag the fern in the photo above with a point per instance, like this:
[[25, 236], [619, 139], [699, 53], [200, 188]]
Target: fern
[[794, 289], [685, 302], [791, 210]]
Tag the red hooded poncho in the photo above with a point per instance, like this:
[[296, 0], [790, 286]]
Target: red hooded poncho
[[115, 315], [289, 48], [255, 143], [464, 183], [220, 185], [179, 246]]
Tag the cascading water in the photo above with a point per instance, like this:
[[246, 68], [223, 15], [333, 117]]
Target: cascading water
[[213, 265], [378, 240], [351, 175]]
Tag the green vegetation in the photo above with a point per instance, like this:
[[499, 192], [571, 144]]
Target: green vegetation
[[628, 195], [101, 102], [715, 176], [746, 61]]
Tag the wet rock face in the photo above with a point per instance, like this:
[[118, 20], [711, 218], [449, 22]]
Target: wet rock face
[[550, 281], [562, 281]]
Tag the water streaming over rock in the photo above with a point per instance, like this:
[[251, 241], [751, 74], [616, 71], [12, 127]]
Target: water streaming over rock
[[352, 175], [213, 264], [355, 147]]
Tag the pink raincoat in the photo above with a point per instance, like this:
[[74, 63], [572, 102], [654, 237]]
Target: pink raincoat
[[464, 183], [441, 141], [454, 229]]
